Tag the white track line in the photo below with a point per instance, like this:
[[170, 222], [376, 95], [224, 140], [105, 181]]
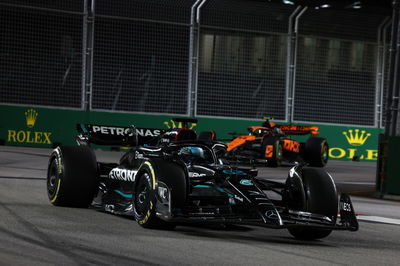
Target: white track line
[[378, 219]]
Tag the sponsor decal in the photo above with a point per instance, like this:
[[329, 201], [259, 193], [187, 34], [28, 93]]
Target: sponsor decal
[[270, 214], [122, 174], [126, 131], [345, 206], [291, 145], [246, 182], [171, 124], [28, 136], [163, 192], [255, 193], [238, 198], [269, 151], [138, 155], [356, 138], [234, 172], [194, 174], [31, 116], [58, 161]]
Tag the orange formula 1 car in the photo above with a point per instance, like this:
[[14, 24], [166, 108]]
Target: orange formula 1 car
[[272, 144]]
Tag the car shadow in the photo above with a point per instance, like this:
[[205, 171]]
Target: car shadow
[[240, 233]]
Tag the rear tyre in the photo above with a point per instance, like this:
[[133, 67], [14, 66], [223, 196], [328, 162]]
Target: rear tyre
[[319, 197], [146, 198], [317, 152], [72, 176], [272, 144]]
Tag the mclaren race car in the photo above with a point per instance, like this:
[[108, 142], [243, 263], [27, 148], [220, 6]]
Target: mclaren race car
[[181, 179], [272, 144]]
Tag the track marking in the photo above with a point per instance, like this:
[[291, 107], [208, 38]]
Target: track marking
[[355, 183], [378, 219], [22, 177]]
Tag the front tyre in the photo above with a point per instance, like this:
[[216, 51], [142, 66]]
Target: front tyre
[[315, 192], [145, 188], [145, 200], [72, 176]]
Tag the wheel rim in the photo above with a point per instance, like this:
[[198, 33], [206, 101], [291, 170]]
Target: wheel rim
[[142, 200], [279, 152], [324, 153], [52, 180]]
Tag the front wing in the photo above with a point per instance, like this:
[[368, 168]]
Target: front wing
[[267, 216]]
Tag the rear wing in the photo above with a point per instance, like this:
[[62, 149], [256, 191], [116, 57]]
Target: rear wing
[[116, 135], [299, 130]]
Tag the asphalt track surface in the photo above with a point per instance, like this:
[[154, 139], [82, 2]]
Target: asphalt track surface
[[33, 232]]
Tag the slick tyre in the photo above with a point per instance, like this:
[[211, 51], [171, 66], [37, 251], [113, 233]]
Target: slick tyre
[[317, 152], [72, 176], [271, 146], [319, 197], [146, 186]]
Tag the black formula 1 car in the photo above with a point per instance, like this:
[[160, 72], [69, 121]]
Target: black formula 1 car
[[180, 179], [272, 144]]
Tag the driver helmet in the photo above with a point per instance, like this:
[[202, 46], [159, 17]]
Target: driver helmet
[[193, 151]]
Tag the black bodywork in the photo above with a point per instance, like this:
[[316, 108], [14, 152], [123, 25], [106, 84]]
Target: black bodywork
[[180, 179], [215, 191]]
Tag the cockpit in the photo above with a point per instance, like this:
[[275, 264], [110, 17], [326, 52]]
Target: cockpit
[[196, 154]]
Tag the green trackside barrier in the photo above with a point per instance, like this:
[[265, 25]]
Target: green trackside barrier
[[391, 181], [46, 127]]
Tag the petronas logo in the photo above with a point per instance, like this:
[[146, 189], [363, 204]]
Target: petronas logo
[[31, 116], [356, 138]]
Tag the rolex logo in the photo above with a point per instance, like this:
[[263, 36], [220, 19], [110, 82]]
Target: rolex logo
[[30, 116], [356, 138], [173, 124]]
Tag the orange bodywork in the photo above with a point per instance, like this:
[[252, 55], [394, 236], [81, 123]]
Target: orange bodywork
[[299, 130], [240, 141], [291, 145], [254, 128], [269, 151]]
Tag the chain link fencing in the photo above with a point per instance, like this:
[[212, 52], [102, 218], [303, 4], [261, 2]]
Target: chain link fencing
[[41, 53], [335, 78], [141, 59], [242, 60], [141, 56]]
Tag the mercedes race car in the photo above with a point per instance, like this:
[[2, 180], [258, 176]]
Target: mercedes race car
[[180, 179], [272, 144]]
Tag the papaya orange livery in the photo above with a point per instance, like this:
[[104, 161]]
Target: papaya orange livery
[[291, 145], [299, 130], [269, 150], [271, 143], [239, 141]]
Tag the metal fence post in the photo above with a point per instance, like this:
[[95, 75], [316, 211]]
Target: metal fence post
[[396, 80], [193, 59], [84, 47], [291, 44], [88, 53], [197, 43], [393, 51], [379, 70], [384, 70], [292, 89]]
